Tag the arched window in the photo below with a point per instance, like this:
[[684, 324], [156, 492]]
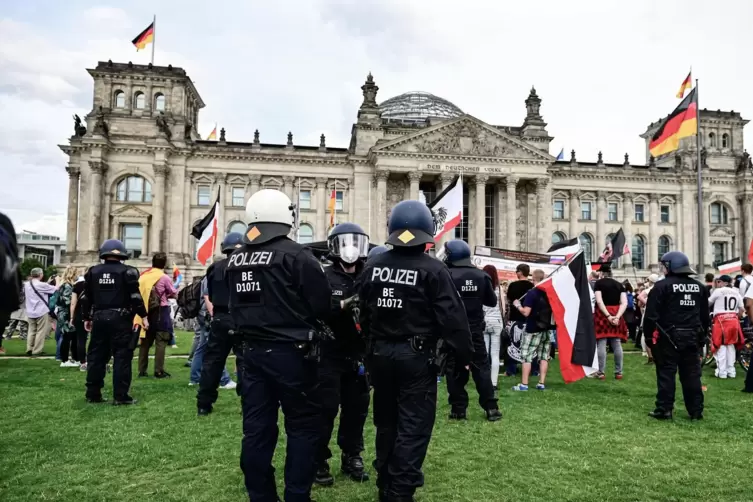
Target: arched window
[[725, 140], [664, 245], [119, 99], [139, 101], [305, 234], [712, 140], [718, 214], [638, 252], [558, 237], [237, 226], [159, 102], [134, 189], [587, 243]]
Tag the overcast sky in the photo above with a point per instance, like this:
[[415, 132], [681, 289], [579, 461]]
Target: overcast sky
[[604, 69]]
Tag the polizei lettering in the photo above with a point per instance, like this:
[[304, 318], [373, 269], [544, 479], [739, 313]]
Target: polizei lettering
[[247, 259], [395, 275], [686, 288]]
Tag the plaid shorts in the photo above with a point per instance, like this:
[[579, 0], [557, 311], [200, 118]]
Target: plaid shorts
[[536, 345]]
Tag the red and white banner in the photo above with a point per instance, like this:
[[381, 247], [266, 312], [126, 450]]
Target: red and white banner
[[447, 208], [206, 233]]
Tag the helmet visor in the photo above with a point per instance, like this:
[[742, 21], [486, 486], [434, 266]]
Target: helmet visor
[[349, 247]]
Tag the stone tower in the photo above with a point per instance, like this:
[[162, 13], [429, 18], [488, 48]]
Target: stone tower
[[534, 128]]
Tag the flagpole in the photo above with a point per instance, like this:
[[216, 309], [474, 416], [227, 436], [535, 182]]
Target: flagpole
[[154, 36], [298, 214], [700, 180]]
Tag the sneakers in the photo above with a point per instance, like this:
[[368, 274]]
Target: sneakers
[[193, 384], [229, 386], [601, 376], [540, 386], [520, 388], [162, 374], [618, 376], [83, 367]]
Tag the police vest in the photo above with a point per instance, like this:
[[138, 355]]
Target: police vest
[[220, 296], [342, 322], [471, 284], [108, 286]]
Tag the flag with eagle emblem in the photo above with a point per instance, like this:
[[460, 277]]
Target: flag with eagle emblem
[[447, 208]]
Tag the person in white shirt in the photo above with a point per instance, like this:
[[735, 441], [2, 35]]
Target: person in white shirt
[[746, 280], [726, 332], [642, 299]]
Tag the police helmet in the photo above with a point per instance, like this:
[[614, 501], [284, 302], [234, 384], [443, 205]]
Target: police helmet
[[270, 214], [411, 224], [231, 242], [677, 263], [348, 242], [376, 251], [457, 252], [113, 248]]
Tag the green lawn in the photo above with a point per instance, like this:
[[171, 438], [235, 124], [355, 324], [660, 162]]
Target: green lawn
[[589, 441]]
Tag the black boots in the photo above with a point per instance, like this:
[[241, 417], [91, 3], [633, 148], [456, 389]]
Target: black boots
[[352, 466], [661, 414], [323, 476], [458, 415], [493, 415]]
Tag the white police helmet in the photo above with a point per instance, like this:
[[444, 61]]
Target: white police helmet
[[270, 206]]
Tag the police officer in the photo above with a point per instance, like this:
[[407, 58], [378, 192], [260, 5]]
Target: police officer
[[111, 300], [676, 321], [476, 290], [221, 340], [278, 292], [342, 378], [376, 250], [408, 301]]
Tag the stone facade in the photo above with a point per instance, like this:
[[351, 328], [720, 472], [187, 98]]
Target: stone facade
[[140, 172]]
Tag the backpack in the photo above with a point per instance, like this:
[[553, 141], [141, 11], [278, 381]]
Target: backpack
[[543, 313], [153, 307], [11, 284], [631, 301], [189, 300]]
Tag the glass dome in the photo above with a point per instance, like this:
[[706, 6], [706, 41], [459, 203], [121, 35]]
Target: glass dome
[[417, 107]]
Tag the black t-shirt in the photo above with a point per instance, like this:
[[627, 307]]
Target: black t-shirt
[[78, 290], [610, 290], [515, 290]]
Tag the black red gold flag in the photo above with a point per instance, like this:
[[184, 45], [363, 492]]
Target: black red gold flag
[[681, 123], [143, 38]]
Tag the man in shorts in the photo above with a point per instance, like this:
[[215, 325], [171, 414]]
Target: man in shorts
[[538, 334]]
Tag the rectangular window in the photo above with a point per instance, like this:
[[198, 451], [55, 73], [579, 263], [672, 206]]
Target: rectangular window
[[639, 212], [203, 195], [239, 197], [135, 189], [716, 214], [585, 210], [558, 210], [612, 211], [304, 199], [339, 200], [665, 214], [132, 235], [720, 252]]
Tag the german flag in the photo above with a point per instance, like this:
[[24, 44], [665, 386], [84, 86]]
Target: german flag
[[143, 38], [686, 84], [681, 123]]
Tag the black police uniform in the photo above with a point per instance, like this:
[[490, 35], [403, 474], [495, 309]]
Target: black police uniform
[[407, 301], [476, 290], [342, 381], [111, 299], [675, 323], [221, 339], [278, 291]]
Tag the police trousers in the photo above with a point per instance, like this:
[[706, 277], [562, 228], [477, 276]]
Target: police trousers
[[111, 336], [405, 404], [480, 369], [220, 343], [277, 375], [669, 360], [342, 389]]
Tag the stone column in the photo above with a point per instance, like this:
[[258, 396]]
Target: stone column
[[512, 217], [501, 211], [627, 224], [221, 180], [74, 174], [480, 216], [187, 213], [544, 213], [708, 251], [97, 170], [158, 204], [321, 206], [746, 226], [381, 206], [445, 180], [653, 230], [574, 207], [415, 178], [601, 217], [287, 186], [470, 218], [255, 180]]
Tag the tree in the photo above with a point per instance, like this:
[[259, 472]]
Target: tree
[[30, 263]]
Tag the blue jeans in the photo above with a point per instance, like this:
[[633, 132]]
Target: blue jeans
[[58, 338], [198, 357]]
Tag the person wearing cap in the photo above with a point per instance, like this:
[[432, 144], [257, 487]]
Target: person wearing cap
[[676, 322], [726, 333]]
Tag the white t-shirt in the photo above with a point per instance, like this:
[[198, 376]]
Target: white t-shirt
[[725, 300], [744, 286]]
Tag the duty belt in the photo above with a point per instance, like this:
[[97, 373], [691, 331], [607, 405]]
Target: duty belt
[[221, 309]]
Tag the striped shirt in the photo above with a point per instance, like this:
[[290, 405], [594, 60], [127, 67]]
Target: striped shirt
[[492, 315]]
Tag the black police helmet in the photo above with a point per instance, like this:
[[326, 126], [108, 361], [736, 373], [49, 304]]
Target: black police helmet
[[346, 228], [113, 248], [232, 241], [411, 224], [457, 252], [377, 250], [677, 263]]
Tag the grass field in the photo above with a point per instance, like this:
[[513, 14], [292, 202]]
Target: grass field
[[589, 441]]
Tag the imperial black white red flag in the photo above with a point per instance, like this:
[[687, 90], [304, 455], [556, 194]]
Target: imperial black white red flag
[[569, 296], [447, 208], [568, 249], [206, 232]]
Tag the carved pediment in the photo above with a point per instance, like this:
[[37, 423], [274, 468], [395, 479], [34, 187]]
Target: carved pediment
[[236, 179], [465, 136], [129, 211], [271, 182], [721, 231]]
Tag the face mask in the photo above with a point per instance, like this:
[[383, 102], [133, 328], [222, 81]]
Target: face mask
[[349, 254]]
